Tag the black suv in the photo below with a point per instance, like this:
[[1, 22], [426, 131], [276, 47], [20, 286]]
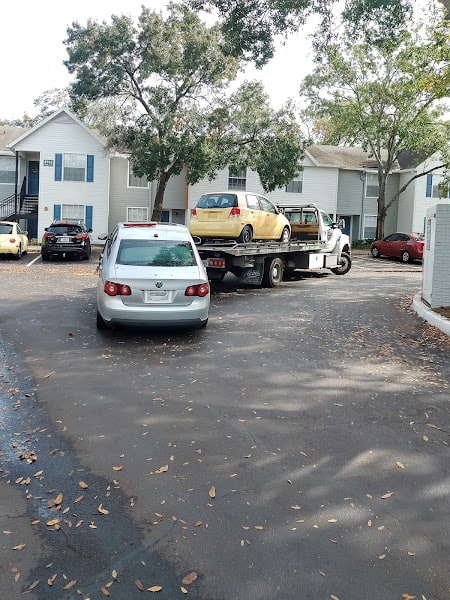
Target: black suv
[[66, 238]]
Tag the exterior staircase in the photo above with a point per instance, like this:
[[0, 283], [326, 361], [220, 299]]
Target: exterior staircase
[[21, 207]]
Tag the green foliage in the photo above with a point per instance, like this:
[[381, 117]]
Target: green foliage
[[251, 27], [173, 77], [385, 99]]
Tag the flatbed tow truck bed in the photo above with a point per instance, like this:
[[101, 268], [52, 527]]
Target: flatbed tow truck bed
[[264, 262]]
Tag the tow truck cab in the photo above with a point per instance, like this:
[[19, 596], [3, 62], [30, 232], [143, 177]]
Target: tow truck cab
[[310, 223]]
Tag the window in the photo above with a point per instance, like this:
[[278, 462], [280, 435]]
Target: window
[[372, 187], [7, 170], [134, 180], [252, 202], [296, 185], [237, 178], [137, 214], [267, 206], [74, 167], [72, 211], [156, 253], [370, 227], [435, 187]]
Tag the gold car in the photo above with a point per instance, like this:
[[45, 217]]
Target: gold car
[[242, 216], [13, 241]]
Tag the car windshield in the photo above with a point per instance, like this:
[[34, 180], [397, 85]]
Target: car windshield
[[217, 201], [6, 229], [155, 253]]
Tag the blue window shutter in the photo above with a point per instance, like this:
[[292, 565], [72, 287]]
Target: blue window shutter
[[57, 212], [429, 185], [88, 220], [58, 167], [90, 168]]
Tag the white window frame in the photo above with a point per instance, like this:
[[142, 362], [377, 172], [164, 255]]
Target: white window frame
[[73, 212], [374, 218], [132, 218], [295, 186], [372, 184], [237, 179], [5, 172], [74, 164], [133, 181]]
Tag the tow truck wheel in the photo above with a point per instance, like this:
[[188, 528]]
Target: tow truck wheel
[[345, 264], [273, 272]]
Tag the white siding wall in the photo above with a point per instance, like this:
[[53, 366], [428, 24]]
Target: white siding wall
[[320, 186], [64, 135], [414, 203], [122, 196]]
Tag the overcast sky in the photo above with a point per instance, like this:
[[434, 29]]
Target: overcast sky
[[32, 51]]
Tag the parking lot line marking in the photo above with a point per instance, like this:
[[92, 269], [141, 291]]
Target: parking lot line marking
[[33, 261]]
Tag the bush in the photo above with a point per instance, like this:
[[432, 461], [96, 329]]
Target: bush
[[362, 243]]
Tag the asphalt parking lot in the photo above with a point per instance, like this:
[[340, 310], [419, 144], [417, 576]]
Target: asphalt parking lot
[[295, 448]]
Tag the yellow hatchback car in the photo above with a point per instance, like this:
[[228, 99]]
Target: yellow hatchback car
[[241, 216]]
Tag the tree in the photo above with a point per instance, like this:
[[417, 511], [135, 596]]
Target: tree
[[385, 99], [174, 79], [251, 27]]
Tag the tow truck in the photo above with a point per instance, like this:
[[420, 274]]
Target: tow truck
[[316, 243]]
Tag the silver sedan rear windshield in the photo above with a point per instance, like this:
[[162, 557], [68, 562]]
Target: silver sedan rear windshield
[[155, 253]]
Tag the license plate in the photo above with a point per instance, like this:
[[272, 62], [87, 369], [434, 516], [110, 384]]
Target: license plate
[[65, 240], [156, 296]]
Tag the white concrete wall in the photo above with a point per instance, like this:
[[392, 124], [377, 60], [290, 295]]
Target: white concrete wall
[[436, 261]]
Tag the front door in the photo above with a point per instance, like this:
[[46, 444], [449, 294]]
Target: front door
[[33, 177]]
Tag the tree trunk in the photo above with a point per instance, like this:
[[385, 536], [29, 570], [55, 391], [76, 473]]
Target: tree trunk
[[159, 198]]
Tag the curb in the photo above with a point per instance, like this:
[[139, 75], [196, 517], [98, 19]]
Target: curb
[[429, 315]]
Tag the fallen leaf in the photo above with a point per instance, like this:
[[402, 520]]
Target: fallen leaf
[[32, 586], [114, 574], [52, 522], [155, 588], [400, 465], [7, 532], [198, 523], [118, 468], [51, 579], [190, 578], [296, 507], [183, 590], [162, 469], [70, 585], [332, 520], [83, 485], [212, 491], [139, 585], [79, 499], [58, 499], [259, 527], [408, 597], [333, 597], [102, 511], [387, 495], [19, 547], [382, 556], [105, 591], [425, 439]]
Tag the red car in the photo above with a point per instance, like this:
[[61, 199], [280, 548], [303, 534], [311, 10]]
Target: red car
[[406, 246]]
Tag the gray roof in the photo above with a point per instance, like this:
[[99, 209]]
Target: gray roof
[[7, 135], [344, 157]]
